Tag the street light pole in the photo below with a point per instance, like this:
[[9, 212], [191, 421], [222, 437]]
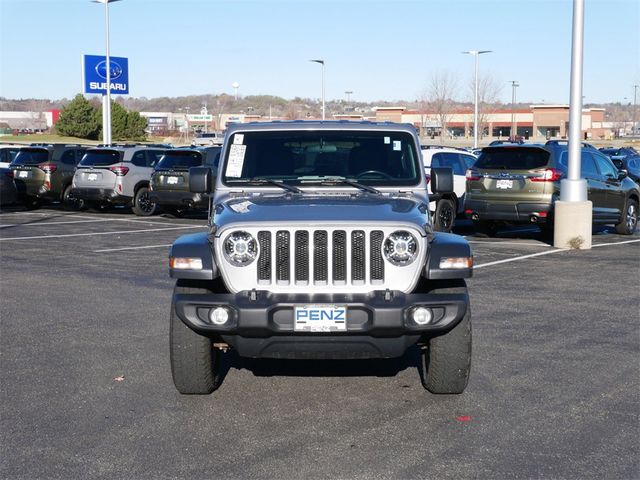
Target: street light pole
[[633, 123], [476, 53], [514, 124], [321, 62], [106, 117]]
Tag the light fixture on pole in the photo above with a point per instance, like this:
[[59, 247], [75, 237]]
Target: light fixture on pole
[[476, 53], [514, 121], [321, 62], [106, 103]]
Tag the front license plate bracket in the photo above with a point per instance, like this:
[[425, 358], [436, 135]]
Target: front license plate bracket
[[320, 318]]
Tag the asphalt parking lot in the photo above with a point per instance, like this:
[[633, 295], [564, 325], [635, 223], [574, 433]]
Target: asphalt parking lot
[[87, 391]]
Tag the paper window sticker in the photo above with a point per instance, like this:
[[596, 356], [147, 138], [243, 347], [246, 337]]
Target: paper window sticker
[[387, 140], [238, 139], [236, 160], [397, 145]]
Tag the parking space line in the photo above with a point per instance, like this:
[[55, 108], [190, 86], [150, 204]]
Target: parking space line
[[53, 223], [130, 248], [101, 233], [524, 257]]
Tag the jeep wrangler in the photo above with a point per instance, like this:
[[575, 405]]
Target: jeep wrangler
[[320, 246]]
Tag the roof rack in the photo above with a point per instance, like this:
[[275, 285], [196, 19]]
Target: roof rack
[[429, 147]]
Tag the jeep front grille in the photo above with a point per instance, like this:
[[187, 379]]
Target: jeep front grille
[[363, 268]]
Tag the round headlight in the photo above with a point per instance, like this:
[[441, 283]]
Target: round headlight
[[400, 248], [240, 248]]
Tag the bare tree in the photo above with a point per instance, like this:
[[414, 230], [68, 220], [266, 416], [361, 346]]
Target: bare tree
[[489, 90], [439, 98]]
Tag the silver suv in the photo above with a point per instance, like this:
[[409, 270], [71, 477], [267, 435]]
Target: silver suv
[[320, 246], [117, 175]]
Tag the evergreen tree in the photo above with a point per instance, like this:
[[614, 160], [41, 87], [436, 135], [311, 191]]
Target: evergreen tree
[[79, 119], [126, 125], [136, 125]]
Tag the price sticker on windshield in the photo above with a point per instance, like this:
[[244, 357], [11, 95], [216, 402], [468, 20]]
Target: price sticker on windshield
[[236, 160]]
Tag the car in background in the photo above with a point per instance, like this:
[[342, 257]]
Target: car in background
[[7, 187], [519, 184], [169, 186], [8, 152], [43, 173], [613, 152], [208, 138], [117, 175], [444, 209], [629, 164]]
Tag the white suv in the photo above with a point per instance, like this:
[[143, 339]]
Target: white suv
[[445, 208]]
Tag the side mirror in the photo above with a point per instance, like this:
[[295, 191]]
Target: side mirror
[[622, 174], [200, 180], [442, 180]]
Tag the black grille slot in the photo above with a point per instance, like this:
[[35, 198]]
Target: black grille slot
[[320, 258], [339, 256], [375, 256], [302, 256], [282, 256], [358, 259], [264, 261]]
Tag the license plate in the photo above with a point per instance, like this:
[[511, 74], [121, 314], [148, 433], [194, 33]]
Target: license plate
[[172, 180], [320, 318], [92, 177], [23, 174], [504, 184]]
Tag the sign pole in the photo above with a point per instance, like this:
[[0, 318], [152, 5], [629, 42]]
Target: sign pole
[[107, 123]]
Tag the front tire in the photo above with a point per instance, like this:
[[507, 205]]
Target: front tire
[[142, 205], [446, 363], [629, 220], [444, 215], [195, 365]]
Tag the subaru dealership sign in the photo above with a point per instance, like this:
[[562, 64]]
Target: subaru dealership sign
[[94, 72]]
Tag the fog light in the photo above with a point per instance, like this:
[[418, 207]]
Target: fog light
[[219, 316], [422, 315]]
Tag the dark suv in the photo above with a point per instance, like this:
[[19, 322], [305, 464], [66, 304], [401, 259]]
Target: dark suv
[[169, 186], [520, 183], [43, 172]]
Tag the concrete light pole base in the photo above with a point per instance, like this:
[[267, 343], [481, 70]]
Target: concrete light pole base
[[572, 225]]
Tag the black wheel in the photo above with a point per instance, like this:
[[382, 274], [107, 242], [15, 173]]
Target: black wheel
[[629, 220], [446, 362], [195, 365], [444, 215], [142, 205], [486, 227], [69, 203]]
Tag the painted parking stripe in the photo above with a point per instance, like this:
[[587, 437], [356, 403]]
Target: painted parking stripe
[[93, 220], [101, 233], [53, 223], [510, 243], [131, 248], [524, 257]]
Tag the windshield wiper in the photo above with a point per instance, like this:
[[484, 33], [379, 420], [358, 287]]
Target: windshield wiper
[[270, 181], [340, 180]]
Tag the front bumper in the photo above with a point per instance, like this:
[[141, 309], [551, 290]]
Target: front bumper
[[179, 199], [261, 324], [519, 212], [107, 195]]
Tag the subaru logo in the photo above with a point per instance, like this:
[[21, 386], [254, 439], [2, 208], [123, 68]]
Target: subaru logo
[[116, 69]]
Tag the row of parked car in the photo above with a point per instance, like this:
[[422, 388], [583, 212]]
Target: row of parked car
[[518, 183], [507, 183], [146, 177]]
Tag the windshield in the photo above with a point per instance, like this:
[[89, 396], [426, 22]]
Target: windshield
[[99, 158], [518, 158], [297, 157], [31, 156], [180, 159]]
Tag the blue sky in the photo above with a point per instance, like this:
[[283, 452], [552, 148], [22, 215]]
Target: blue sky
[[380, 50]]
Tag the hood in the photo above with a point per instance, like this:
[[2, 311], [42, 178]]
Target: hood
[[356, 208]]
